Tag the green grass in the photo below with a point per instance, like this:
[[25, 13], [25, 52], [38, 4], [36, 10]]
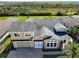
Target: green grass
[[6, 42], [23, 18], [45, 16], [3, 18]]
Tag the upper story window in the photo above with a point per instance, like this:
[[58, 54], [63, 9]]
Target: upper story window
[[16, 35], [64, 41], [28, 35]]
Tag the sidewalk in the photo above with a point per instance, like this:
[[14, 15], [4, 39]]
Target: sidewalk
[[53, 52]]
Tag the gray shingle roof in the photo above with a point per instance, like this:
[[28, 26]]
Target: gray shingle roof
[[35, 24], [58, 26], [70, 21], [44, 22], [22, 26], [75, 16]]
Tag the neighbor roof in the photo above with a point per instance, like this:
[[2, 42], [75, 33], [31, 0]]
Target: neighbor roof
[[70, 21], [75, 16]]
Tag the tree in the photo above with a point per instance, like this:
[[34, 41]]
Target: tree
[[59, 14], [73, 32], [72, 50]]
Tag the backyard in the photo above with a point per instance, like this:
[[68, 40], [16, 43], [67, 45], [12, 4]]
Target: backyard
[[23, 18]]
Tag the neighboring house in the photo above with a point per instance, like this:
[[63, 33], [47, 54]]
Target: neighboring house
[[4, 27], [39, 33]]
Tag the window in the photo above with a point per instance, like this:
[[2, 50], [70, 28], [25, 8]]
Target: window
[[51, 45], [28, 35], [55, 44], [16, 34], [64, 41], [47, 44]]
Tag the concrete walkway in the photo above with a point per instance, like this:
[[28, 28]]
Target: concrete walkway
[[53, 52]]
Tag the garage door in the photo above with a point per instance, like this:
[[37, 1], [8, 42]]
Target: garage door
[[22, 44], [38, 45]]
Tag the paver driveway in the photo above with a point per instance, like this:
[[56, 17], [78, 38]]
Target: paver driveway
[[25, 53]]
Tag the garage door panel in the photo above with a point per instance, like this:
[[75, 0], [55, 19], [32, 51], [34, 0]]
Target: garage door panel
[[23, 43]]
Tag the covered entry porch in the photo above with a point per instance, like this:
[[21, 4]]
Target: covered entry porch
[[53, 43]]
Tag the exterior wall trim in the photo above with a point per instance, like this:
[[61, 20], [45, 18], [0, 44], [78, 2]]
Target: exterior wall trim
[[21, 40]]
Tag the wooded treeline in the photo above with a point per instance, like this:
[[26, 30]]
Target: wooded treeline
[[38, 9]]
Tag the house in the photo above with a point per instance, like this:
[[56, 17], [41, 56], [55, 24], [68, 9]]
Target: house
[[40, 33]]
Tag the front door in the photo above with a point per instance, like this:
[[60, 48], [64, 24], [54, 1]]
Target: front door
[[38, 45], [61, 45]]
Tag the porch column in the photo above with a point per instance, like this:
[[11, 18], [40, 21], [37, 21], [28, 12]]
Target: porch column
[[63, 45], [14, 44]]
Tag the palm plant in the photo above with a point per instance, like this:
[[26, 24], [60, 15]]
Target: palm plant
[[72, 50], [77, 52]]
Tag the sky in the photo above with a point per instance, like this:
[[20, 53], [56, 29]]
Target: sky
[[38, 0]]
